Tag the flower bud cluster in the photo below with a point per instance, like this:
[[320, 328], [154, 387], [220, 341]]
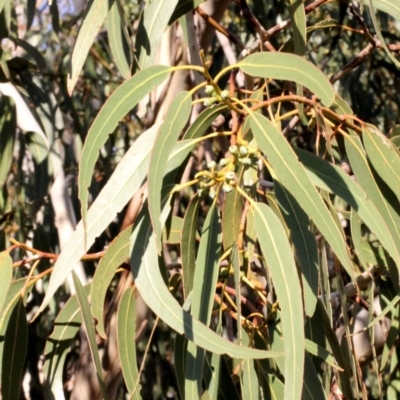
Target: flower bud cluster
[[214, 97]]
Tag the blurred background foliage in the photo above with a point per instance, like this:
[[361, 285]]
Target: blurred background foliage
[[37, 39]]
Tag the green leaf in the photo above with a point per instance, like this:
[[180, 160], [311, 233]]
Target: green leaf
[[331, 178], [188, 244], [383, 156], [312, 389], [388, 6], [289, 67], [175, 120], [145, 268], [91, 25], [304, 242], [126, 327], [282, 269], [180, 346], [14, 353], [6, 271], [231, 218], [122, 185], [152, 25], [293, 177], [249, 379], [117, 253], [206, 276], [90, 332], [118, 39], [8, 126], [183, 7], [66, 327], [116, 107]]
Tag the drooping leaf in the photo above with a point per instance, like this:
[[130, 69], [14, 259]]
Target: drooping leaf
[[144, 264], [116, 107], [117, 36], [205, 275], [188, 245], [14, 352], [66, 327], [152, 25], [304, 243], [125, 181], [289, 67], [91, 25], [126, 328], [90, 332], [183, 7], [312, 388], [331, 178], [117, 253], [175, 120], [282, 269], [383, 156], [231, 218], [293, 177], [5, 275]]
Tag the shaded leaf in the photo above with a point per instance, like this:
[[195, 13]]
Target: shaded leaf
[[14, 353], [117, 253], [90, 332], [66, 327], [6, 271]]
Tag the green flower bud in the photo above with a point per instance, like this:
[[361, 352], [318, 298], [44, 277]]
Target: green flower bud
[[225, 94], [243, 151], [211, 164], [230, 175], [227, 188], [233, 149]]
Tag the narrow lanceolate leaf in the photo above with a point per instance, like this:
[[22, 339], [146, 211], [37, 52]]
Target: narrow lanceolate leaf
[[331, 178], [125, 181], [183, 7], [145, 268], [117, 37], [90, 332], [5, 275], [304, 242], [152, 25], [299, 26], [188, 245], [126, 328], [117, 253], [66, 327], [312, 388], [293, 177], [90, 27], [8, 126], [384, 157], [231, 217], [365, 178], [175, 120], [289, 67], [282, 269], [206, 276], [388, 6], [116, 107], [14, 353]]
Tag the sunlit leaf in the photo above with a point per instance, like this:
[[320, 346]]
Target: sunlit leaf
[[91, 25], [282, 269], [175, 120], [144, 264], [289, 67], [153, 23], [116, 107], [5, 275], [231, 218], [126, 327], [293, 177], [117, 37], [125, 181]]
